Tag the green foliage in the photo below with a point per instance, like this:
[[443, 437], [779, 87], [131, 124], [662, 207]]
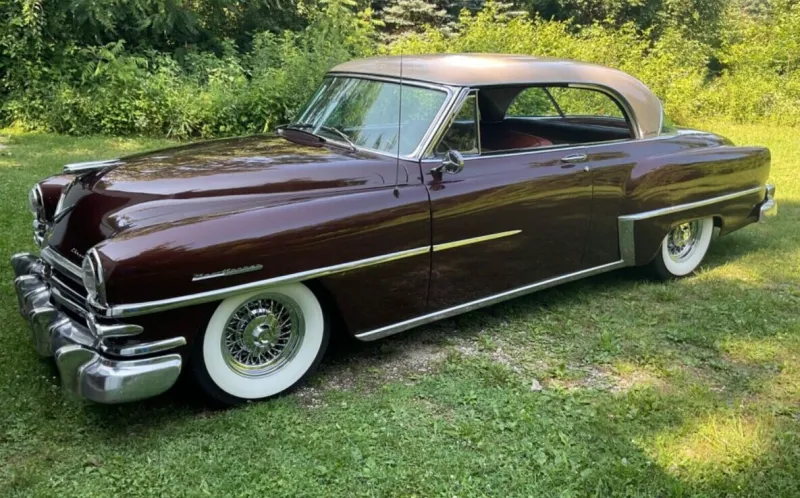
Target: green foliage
[[760, 81], [107, 89], [208, 68], [404, 17]]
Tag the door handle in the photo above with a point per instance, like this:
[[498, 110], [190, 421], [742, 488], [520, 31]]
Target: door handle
[[574, 158]]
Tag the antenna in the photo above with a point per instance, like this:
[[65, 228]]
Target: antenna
[[396, 190]]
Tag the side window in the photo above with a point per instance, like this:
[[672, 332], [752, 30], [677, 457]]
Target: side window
[[532, 102], [585, 102], [462, 135]]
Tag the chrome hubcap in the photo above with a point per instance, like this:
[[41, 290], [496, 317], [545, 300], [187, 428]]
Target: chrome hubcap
[[262, 335], [682, 240]]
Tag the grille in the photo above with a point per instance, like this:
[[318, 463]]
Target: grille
[[67, 291]]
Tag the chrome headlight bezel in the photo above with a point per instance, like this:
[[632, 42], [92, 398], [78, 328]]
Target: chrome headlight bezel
[[36, 202], [59, 205], [93, 278]]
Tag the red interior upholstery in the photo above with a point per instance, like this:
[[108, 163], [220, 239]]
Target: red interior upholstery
[[509, 140]]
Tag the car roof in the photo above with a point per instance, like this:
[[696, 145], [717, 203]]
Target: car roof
[[480, 70]]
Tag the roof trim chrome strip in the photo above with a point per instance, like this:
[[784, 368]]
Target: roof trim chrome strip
[[485, 301]]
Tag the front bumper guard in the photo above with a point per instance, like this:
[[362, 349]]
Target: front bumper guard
[[84, 370]]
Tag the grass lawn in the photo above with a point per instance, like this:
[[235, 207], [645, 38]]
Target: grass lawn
[[649, 389]]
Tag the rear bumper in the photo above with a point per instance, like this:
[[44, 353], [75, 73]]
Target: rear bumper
[[78, 351], [769, 207]]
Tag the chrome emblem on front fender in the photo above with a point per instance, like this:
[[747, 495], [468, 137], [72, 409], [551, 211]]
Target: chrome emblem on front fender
[[227, 272]]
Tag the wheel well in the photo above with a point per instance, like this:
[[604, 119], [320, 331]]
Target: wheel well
[[333, 315]]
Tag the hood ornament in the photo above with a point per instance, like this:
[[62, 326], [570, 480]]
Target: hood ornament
[[74, 168]]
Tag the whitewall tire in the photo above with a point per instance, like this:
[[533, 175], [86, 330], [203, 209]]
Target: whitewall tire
[[684, 248], [260, 344]]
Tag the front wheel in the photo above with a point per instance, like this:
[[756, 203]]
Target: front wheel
[[683, 249], [260, 344]]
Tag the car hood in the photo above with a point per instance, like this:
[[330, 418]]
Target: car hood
[[181, 184]]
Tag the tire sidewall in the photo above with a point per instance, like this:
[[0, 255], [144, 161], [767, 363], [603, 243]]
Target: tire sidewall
[[675, 269], [229, 387]]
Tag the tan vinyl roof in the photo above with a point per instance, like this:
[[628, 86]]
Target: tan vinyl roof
[[476, 70]]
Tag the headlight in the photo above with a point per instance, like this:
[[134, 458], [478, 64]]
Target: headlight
[[36, 202], [92, 277]]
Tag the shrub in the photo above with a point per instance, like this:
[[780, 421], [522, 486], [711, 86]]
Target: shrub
[[110, 89]]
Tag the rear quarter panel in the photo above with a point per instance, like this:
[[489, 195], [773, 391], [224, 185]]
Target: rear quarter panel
[[691, 168]]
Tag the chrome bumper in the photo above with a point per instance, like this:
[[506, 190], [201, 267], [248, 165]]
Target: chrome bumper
[[78, 351], [770, 206]]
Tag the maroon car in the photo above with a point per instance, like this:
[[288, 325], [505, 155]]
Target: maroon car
[[405, 192]]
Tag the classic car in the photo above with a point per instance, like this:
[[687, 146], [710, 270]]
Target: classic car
[[407, 190]]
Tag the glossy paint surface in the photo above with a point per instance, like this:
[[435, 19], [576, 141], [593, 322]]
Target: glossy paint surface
[[161, 218], [547, 199]]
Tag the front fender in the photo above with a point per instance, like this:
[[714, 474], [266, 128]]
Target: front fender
[[170, 259]]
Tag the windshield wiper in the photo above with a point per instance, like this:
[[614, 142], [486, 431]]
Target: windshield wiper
[[304, 127]]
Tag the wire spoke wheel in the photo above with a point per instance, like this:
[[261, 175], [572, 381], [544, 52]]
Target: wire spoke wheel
[[262, 335], [682, 240], [683, 249], [261, 344]]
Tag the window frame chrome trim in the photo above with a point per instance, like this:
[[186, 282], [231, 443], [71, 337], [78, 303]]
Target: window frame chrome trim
[[450, 92], [633, 123]]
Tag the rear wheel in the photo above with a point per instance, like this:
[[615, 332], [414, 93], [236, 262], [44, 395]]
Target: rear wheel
[[260, 344], [683, 249]]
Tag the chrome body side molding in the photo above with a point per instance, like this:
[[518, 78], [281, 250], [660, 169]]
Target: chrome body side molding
[[486, 301], [123, 310], [626, 223], [691, 205], [627, 258], [474, 240]]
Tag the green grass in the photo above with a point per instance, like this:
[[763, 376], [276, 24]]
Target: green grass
[[678, 389]]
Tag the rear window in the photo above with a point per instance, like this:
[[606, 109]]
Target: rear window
[[585, 102], [532, 102], [667, 126], [557, 101]]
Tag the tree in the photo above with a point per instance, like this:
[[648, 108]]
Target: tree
[[411, 16]]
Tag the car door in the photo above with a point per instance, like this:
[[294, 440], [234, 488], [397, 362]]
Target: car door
[[505, 220]]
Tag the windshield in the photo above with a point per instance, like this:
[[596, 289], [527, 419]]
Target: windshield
[[366, 111]]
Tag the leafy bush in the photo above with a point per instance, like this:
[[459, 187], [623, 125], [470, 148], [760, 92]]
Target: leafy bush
[[749, 70], [109, 90]]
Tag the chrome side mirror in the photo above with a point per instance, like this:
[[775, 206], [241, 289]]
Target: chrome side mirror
[[453, 163]]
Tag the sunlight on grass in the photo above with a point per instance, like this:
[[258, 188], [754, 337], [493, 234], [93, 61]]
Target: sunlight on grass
[[631, 376], [715, 443], [687, 388]]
